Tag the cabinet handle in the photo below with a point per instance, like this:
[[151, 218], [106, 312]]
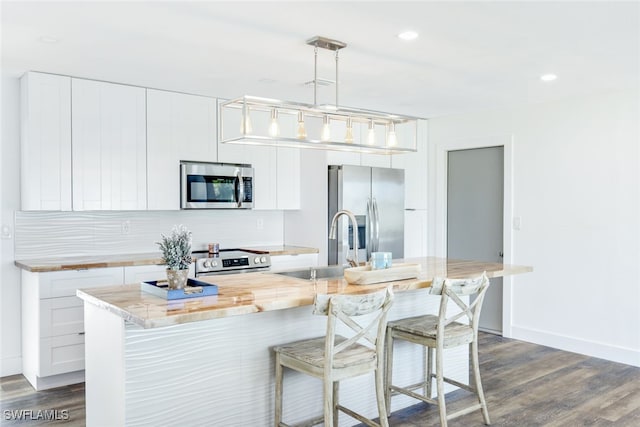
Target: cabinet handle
[[80, 333]]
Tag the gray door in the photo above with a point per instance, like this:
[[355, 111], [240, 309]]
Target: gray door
[[475, 200]]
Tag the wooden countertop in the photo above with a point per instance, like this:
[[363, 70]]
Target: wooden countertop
[[254, 292], [43, 265]]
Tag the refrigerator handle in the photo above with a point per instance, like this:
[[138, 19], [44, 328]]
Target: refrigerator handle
[[376, 227], [369, 234]]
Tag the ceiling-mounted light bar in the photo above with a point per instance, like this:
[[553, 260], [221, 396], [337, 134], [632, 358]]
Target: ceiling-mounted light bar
[[264, 121]]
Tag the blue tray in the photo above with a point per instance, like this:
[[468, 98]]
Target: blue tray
[[194, 289]]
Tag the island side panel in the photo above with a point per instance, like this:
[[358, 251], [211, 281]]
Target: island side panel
[[104, 367], [221, 371]]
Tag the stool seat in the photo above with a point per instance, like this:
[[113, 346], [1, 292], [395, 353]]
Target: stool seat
[[312, 352], [426, 327]]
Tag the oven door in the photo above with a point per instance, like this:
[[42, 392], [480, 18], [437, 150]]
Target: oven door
[[239, 271], [215, 186]]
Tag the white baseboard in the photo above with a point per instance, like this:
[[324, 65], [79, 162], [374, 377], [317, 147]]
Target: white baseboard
[[10, 366], [610, 352]]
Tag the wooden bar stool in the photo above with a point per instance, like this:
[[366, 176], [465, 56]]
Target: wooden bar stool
[[334, 357], [438, 333]]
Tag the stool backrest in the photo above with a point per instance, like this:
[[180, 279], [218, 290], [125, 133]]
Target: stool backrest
[[454, 289], [344, 308]]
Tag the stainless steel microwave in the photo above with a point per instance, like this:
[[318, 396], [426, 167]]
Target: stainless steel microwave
[[215, 185]]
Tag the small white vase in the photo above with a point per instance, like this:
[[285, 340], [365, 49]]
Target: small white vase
[[177, 278]]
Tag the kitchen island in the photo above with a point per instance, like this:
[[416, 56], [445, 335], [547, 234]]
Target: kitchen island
[[208, 361]]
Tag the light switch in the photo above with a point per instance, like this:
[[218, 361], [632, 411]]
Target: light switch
[[517, 222], [6, 232]]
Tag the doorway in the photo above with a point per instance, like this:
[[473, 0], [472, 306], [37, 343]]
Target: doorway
[[475, 218]]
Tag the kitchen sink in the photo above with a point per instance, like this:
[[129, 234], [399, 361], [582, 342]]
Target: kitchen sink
[[320, 272]]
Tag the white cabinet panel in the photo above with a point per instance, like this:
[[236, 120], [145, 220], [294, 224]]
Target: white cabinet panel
[[276, 170], [142, 273], [59, 355], [415, 233], [179, 127], [288, 178], [109, 146], [45, 142], [415, 171], [61, 316], [289, 262], [65, 283]]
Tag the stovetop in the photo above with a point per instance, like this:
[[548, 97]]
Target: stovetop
[[230, 260]]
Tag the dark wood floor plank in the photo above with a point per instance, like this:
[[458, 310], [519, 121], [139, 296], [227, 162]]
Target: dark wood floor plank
[[526, 385]]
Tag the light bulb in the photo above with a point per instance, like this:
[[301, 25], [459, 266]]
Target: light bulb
[[245, 124], [392, 140], [274, 127], [371, 134], [348, 138], [301, 132], [326, 130]]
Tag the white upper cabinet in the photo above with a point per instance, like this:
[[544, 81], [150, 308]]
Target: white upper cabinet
[[109, 146], [415, 171], [45, 142], [276, 170], [179, 127]]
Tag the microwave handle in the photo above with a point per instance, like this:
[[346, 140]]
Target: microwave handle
[[239, 188]]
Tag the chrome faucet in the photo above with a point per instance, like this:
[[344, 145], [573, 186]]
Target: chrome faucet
[[353, 262]]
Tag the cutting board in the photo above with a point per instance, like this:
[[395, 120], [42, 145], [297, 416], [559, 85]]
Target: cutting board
[[366, 276]]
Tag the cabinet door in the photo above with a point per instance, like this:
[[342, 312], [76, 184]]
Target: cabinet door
[[59, 355], [179, 127], [61, 316], [109, 146], [45, 142], [415, 171], [65, 283], [288, 168], [141, 273], [290, 262], [415, 233], [263, 159]]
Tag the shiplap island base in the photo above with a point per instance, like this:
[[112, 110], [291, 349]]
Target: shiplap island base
[[208, 361]]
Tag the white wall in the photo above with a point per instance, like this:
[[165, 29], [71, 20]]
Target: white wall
[[10, 359], [576, 187]]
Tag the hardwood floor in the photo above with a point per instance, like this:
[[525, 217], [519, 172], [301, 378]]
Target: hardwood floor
[[526, 385]]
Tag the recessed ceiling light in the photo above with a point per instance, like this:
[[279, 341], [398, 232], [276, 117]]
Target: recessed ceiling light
[[48, 39], [548, 77], [408, 35]]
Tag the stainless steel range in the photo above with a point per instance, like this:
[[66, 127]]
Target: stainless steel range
[[231, 261]]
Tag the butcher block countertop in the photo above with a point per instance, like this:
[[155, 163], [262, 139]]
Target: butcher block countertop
[[43, 265], [255, 292]]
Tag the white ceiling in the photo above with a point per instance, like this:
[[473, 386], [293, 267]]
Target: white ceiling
[[469, 56]]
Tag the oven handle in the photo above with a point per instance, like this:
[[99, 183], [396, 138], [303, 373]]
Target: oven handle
[[239, 188]]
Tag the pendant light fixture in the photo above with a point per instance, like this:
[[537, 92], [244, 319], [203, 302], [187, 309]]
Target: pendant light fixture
[[312, 125]]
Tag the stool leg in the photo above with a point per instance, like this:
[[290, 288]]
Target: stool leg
[[336, 391], [328, 403], [476, 376], [428, 371], [380, 394], [388, 369], [440, 385], [278, 410]]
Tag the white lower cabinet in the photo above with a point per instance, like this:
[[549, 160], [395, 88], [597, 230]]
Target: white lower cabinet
[[291, 262], [143, 273], [415, 233], [53, 323]]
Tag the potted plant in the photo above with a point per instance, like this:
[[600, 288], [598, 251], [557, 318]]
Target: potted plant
[[176, 254]]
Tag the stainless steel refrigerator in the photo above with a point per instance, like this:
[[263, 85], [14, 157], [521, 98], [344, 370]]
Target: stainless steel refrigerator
[[376, 198]]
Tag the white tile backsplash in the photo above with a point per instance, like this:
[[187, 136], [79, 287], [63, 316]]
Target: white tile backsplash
[[53, 234]]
